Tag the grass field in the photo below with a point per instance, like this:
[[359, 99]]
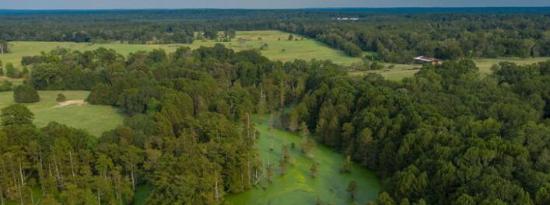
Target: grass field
[[297, 186], [400, 71], [93, 118], [485, 64], [278, 47]]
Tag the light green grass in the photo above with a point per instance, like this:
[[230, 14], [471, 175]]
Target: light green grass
[[485, 64], [94, 118], [401, 71], [297, 186], [278, 47]]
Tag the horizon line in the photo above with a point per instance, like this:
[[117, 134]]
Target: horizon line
[[259, 8]]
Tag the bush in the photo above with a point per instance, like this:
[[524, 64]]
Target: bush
[[11, 71], [5, 86], [25, 94], [61, 98]]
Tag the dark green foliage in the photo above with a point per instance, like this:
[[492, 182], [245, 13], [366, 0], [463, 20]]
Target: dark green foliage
[[25, 94], [399, 38], [188, 134], [443, 136], [16, 115], [352, 189], [394, 35], [11, 71], [60, 98], [6, 85]]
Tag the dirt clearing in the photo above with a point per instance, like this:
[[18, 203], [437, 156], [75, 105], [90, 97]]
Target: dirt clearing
[[71, 102]]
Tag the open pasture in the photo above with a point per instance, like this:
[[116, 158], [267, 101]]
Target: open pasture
[[273, 44], [94, 118], [400, 71]]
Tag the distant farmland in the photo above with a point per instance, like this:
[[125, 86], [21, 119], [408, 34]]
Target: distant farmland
[[273, 44]]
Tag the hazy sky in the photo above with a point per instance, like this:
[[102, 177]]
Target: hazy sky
[[136, 4]]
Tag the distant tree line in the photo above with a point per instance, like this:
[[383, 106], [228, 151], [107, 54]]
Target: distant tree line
[[393, 37], [399, 38]]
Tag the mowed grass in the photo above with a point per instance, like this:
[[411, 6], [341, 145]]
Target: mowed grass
[[297, 186], [94, 118], [485, 64], [278, 47], [400, 71]]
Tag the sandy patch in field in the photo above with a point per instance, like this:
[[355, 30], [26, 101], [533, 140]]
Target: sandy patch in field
[[70, 102]]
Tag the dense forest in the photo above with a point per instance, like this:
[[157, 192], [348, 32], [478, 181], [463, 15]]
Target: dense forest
[[444, 136], [389, 35], [401, 38], [188, 132]]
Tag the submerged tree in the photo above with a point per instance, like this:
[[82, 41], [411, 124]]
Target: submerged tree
[[314, 169], [346, 166], [352, 189]]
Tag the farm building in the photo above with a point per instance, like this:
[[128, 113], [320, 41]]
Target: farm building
[[427, 60]]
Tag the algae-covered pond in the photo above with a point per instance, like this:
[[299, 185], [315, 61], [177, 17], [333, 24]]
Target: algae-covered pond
[[297, 186]]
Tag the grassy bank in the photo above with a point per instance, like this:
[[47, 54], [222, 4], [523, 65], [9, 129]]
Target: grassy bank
[[94, 118]]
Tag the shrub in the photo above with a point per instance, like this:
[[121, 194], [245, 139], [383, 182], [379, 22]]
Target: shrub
[[11, 71], [25, 94], [61, 98], [5, 86]]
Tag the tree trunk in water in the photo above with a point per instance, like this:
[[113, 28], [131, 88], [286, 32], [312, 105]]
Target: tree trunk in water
[[21, 173], [217, 196], [249, 172], [98, 197], [32, 197], [20, 195], [133, 180], [71, 161], [1, 195], [41, 175], [248, 125], [22, 182], [58, 176], [282, 95]]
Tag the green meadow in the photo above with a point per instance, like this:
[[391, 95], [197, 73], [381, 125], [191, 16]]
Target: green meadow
[[297, 186], [273, 44], [400, 71], [94, 118]]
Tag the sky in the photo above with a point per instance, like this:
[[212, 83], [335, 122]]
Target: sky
[[255, 4]]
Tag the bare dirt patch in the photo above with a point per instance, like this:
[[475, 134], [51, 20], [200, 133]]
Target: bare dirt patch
[[71, 102]]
